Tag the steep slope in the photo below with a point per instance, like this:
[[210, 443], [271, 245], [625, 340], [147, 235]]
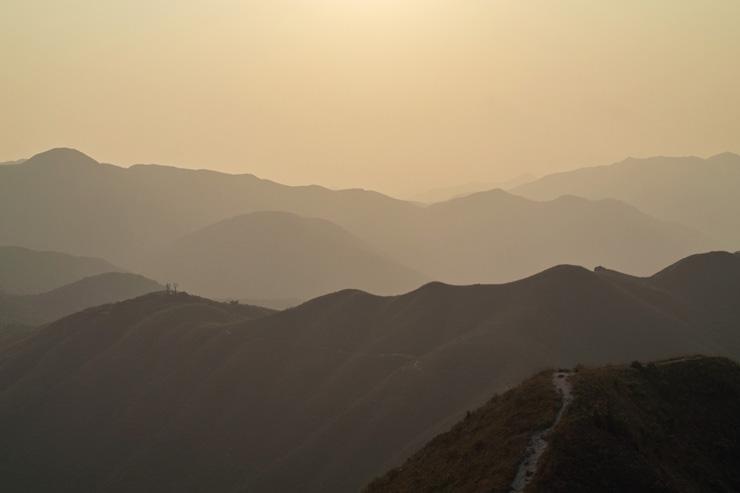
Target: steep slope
[[702, 289], [12, 332], [495, 236], [24, 271], [87, 292], [483, 451], [321, 397], [696, 276], [278, 255], [701, 193], [668, 427]]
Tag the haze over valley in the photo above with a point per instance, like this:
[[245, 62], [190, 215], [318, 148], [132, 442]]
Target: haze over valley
[[380, 324], [144, 218], [378, 246]]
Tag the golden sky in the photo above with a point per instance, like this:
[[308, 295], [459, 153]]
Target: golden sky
[[395, 95]]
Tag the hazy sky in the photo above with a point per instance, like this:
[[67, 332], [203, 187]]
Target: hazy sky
[[396, 95]]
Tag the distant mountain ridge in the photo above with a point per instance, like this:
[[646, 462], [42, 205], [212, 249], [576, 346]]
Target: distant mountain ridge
[[496, 236], [24, 271], [127, 215], [121, 214], [91, 291], [278, 255], [454, 192], [327, 395], [700, 193]]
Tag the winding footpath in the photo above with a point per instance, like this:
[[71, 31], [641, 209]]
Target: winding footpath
[[538, 443]]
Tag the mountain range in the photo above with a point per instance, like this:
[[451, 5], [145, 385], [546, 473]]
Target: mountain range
[[444, 194], [111, 382], [140, 215], [700, 193], [37, 309], [185, 393], [277, 255], [495, 236], [24, 271]]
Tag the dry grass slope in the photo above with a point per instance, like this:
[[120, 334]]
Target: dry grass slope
[[665, 427], [669, 426], [482, 452]]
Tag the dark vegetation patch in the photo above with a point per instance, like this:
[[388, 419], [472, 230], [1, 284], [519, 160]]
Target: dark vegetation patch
[[482, 452], [670, 426]]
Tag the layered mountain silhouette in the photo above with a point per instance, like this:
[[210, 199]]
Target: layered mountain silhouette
[[188, 394], [129, 215], [497, 236], [24, 271], [278, 255], [454, 192], [121, 214], [669, 426], [90, 291], [700, 193]]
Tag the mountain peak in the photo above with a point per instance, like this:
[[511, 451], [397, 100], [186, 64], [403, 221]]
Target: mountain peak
[[496, 195], [725, 156], [564, 273], [61, 157], [712, 264]]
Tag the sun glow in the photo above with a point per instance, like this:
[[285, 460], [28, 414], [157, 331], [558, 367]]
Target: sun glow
[[345, 91]]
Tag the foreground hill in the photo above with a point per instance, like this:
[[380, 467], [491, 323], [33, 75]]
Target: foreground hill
[[12, 332], [700, 193], [327, 395], [666, 427], [24, 271], [90, 291], [128, 214], [278, 255]]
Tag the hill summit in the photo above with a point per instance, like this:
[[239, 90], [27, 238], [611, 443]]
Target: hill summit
[[62, 157]]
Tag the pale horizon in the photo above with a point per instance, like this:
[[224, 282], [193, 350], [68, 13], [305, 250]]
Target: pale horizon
[[399, 97], [403, 195]]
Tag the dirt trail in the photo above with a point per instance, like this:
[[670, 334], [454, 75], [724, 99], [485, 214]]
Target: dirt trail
[[681, 359], [538, 442]]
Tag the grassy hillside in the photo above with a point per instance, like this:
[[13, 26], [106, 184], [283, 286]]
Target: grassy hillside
[[669, 426], [325, 396], [665, 427], [481, 453], [12, 332]]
